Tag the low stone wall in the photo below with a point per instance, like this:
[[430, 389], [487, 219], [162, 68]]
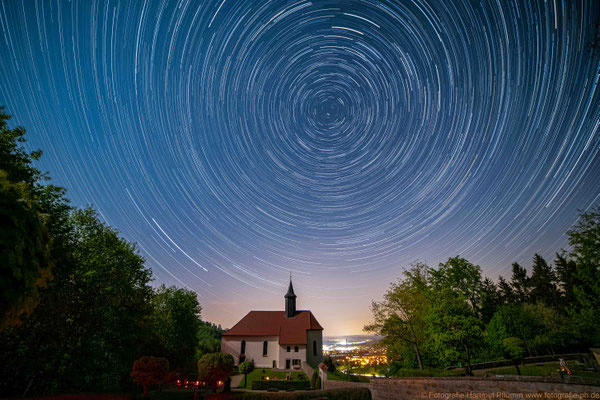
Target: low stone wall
[[480, 388], [331, 384], [475, 388], [531, 360]]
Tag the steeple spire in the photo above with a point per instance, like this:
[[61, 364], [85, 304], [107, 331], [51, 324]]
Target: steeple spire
[[290, 300]]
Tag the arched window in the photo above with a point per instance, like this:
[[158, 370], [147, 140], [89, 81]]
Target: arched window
[[243, 349], [265, 348], [314, 347]]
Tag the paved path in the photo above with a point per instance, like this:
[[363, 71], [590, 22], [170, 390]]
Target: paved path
[[236, 380]]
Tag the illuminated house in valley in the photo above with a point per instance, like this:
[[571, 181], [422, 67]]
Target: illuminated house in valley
[[276, 339]]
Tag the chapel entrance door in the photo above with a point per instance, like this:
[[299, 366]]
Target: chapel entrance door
[[287, 364]]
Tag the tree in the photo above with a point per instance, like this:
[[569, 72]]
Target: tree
[[566, 270], [148, 371], [14, 158], [214, 368], [26, 261], [505, 291], [520, 283], [176, 322], [461, 276], [508, 321], [399, 317], [555, 329], [209, 338], [584, 239], [328, 361], [92, 320], [543, 283], [513, 350], [490, 299], [245, 368], [455, 331]]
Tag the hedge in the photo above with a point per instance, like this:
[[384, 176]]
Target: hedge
[[280, 384], [360, 393]]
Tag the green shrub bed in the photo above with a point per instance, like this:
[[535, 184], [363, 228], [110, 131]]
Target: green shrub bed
[[281, 385]]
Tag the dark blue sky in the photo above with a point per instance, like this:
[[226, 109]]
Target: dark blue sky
[[235, 141]]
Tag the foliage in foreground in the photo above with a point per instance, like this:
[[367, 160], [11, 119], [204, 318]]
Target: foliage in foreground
[[245, 368], [450, 315], [25, 259], [148, 371], [215, 367], [264, 373], [76, 306]]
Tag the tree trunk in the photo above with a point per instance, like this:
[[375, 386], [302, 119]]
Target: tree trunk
[[418, 355], [517, 367], [468, 368], [28, 386], [414, 336], [526, 343]]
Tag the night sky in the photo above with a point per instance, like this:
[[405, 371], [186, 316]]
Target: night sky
[[236, 141]]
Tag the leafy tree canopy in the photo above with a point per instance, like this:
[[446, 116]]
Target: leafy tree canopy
[[215, 367], [148, 371], [176, 322]]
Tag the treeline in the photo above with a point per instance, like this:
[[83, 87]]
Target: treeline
[[76, 305], [451, 315]]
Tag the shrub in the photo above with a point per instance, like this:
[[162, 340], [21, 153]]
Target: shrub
[[245, 368], [214, 367], [148, 371], [280, 384], [318, 383], [328, 361], [302, 377], [313, 379]]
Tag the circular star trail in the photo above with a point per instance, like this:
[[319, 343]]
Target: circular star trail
[[235, 141]]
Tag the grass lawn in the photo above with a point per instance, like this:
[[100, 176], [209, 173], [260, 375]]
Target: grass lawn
[[411, 372], [541, 369], [371, 370], [340, 376], [258, 373]]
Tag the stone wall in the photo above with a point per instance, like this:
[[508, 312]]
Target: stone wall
[[475, 388], [531, 360], [331, 384]]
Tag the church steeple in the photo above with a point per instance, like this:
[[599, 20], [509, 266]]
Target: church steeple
[[290, 301]]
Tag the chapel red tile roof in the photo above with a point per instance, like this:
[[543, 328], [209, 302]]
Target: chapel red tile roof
[[274, 323]]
